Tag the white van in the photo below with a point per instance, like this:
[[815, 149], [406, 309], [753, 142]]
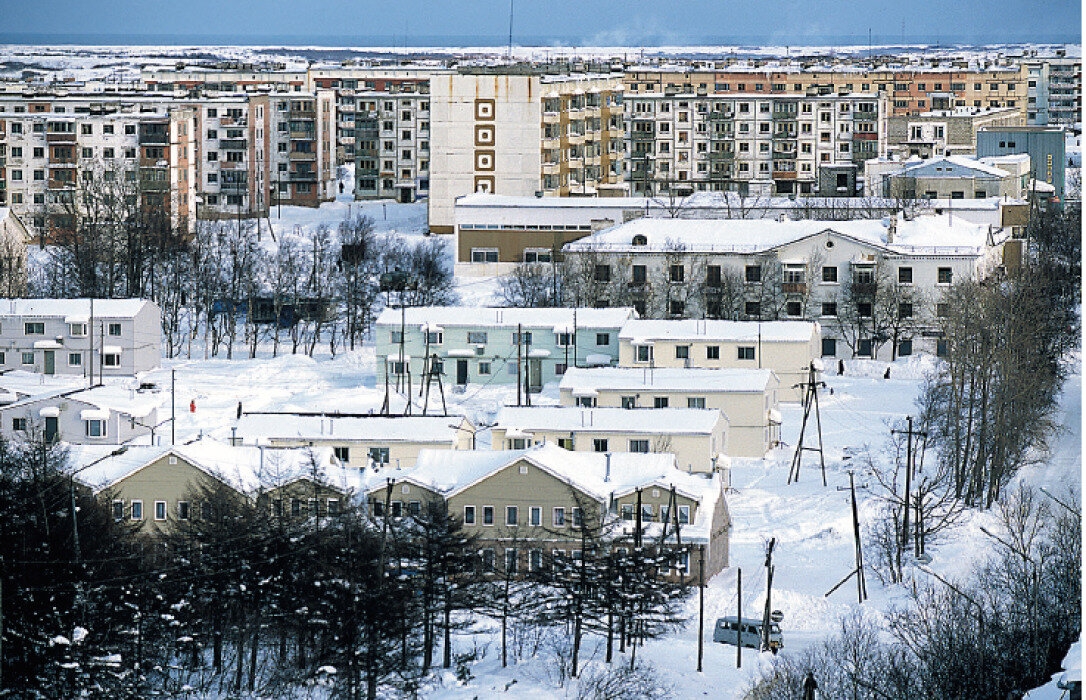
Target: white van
[[748, 631]]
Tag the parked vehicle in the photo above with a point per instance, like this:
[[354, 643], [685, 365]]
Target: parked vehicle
[[748, 632]]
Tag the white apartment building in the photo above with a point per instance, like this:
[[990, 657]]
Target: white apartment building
[[522, 133], [801, 143]]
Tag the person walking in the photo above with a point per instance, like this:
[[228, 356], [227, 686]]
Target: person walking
[[809, 686]]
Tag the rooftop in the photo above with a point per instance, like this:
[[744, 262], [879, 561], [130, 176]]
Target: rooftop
[[472, 316], [642, 420], [662, 379], [645, 330]]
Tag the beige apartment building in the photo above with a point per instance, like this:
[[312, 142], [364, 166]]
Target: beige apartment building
[[519, 131]]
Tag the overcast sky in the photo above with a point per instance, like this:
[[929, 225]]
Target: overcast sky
[[578, 22]]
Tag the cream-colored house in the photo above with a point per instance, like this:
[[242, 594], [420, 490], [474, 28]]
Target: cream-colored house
[[697, 437], [749, 399], [527, 506], [786, 347], [157, 487], [358, 440]]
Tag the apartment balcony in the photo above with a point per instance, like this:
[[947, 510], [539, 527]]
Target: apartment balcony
[[793, 288], [575, 139], [54, 184], [858, 116], [720, 115], [60, 138], [303, 114], [233, 144], [303, 135], [721, 155], [301, 155], [154, 185], [303, 177], [865, 136], [366, 132], [231, 165], [781, 115], [864, 289], [784, 155], [551, 117], [551, 168], [784, 136], [643, 135], [550, 142], [366, 172], [3, 161], [233, 121], [234, 187]]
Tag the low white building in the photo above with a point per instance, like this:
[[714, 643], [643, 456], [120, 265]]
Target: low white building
[[357, 440], [875, 286], [88, 337], [748, 398], [697, 437], [104, 415]]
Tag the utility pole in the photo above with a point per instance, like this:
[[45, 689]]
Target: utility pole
[[858, 572], [909, 433], [768, 592], [519, 336], [701, 604], [739, 618], [810, 399], [173, 407]]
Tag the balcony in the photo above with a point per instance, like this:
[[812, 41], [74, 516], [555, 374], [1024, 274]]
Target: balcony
[[68, 162], [304, 135], [232, 144], [233, 121], [303, 177], [56, 137], [865, 136], [302, 155], [864, 116], [864, 289], [638, 135], [154, 138], [721, 155], [154, 185], [784, 135], [794, 287], [784, 155], [720, 115], [366, 172], [783, 115], [303, 114], [234, 187]]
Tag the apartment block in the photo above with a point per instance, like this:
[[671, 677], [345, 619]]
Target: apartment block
[[682, 141], [1054, 92], [519, 131], [950, 132]]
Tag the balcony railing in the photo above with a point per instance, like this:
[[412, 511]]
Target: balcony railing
[[794, 287], [232, 144], [60, 137]]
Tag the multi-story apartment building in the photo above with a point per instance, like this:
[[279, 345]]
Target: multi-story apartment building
[[187, 156], [949, 132], [518, 131], [683, 139], [225, 77], [1054, 91], [909, 90]]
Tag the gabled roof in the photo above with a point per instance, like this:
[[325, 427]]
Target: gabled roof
[[953, 166], [257, 427], [666, 379], [104, 308]]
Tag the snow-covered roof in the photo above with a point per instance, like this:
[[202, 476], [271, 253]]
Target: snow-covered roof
[[105, 398], [103, 308], [258, 427], [531, 319], [959, 162], [921, 235], [664, 379], [569, 418], [647, 330]]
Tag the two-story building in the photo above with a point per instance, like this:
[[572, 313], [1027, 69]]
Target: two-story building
[[482, 345], [786, 347], [101, 415], [88, 337], [697, 437], [749, 398]]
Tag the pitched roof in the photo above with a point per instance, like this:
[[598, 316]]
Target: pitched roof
[[665, 379], [103, 308], [255, 427]]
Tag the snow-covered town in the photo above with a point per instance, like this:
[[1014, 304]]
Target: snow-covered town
[[469, 372]]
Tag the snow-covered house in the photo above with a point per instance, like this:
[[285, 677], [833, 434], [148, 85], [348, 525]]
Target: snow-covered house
[[102, 415], [697, 437], [480, 345], [748, 398], [956, 178], [786, 347], [157, 486], [358, 440], [875, 286], [86, 337], [526, 506]]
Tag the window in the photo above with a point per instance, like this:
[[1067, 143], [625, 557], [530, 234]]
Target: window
[[160, 510], [111, 359], [676, 307], [684, 515], [414, 508], [477, 337], [488, 560], [602, 273], [905, 348], [660, 402], [682, 352], [829, 347], [535, 559], [434, 337], [942, 347], [565, 339], [510, 560], [95, 428], [752, 308], [865, 348], [18, 424], [559, 517], [745, 352], [183, 510], [114, 329], [488, 515], [77, 330], [946, 275], [603, 339], [469, 515], [599, 445], [343, 454], [378, 455], [34, 328], [904, 310], [639, 446], [535, 516], [863, 309], [628, 402], [484, 368], [137, 510], [695, 402], [829, 274], [525, 337], [643, 353], [905, 275], [793, 308], [565, 443], [754, 273], [942, 310], [712, 352], [510, 515], [829, 308], [118, 510], [677, 273], [28, 358], [484, 255]]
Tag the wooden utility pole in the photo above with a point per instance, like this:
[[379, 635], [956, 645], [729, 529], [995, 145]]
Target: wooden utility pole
[[861, 580], [701, 604], [768, 592], [518, 365], [810, 399], [909, 433]]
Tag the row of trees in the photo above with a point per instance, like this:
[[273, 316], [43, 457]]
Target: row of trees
[[243, 597]]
